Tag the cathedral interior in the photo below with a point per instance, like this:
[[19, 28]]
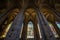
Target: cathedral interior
[[29, 19]]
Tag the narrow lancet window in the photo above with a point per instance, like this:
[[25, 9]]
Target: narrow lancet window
[[30, 32], [53, 30]]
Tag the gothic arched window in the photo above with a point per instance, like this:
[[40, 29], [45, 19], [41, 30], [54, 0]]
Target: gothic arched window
[[30, 32], [53, 30]]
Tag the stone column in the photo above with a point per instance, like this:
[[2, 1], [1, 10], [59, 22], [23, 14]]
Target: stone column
[[46, 31], [24, 32], [36, 31], [15, 30]]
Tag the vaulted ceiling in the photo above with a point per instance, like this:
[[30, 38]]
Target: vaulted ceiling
[[43, 5]]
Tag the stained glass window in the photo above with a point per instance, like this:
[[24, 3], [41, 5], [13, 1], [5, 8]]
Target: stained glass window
[[30, 32], [53, 30]]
